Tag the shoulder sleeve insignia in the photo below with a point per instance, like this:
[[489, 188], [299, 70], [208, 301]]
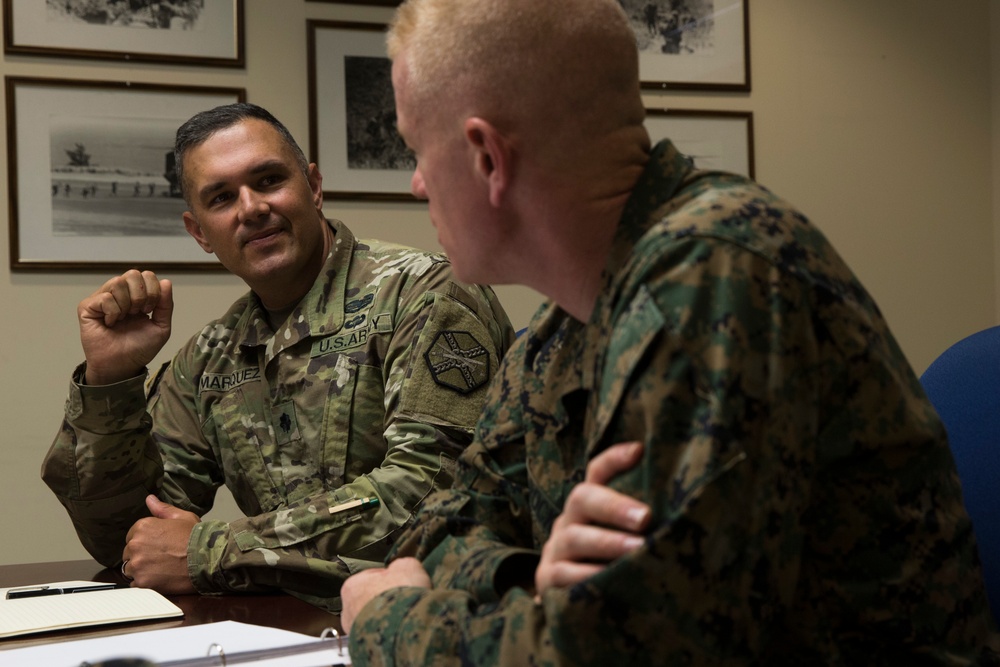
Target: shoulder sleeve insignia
[[458, 361]]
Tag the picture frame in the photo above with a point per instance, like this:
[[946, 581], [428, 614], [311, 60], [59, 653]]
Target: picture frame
[[90, 174], [718, 140], [352, 114], [207, 33], [692, 44]]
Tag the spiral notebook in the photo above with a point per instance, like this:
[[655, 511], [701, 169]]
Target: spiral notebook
[[44, 613]]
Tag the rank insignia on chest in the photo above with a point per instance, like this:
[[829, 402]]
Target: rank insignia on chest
[[286, 426], [458, 361]]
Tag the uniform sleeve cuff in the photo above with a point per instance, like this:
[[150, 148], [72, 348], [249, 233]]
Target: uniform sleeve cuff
[[373, 636], [107, 408], [205, 547]]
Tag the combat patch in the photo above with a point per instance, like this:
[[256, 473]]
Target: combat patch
[[458, 361]]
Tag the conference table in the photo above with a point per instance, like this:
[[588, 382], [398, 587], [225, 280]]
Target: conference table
[[277, 611]]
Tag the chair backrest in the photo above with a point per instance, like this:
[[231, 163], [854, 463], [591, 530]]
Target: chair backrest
[[964, 386]]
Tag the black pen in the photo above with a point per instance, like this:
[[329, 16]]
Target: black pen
[[40, 591]]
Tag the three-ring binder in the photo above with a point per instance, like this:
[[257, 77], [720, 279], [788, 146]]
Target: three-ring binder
[[216, 655]]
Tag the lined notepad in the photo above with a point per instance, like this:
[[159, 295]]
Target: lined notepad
[[58, 612]]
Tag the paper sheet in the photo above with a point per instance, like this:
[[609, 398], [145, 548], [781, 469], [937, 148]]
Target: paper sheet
[[56, 612], [178, 644]]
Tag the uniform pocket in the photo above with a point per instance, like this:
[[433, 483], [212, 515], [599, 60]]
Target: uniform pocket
[[239, 430], [336, 435]]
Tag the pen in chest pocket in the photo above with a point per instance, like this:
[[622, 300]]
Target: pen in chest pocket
[[360, 503]]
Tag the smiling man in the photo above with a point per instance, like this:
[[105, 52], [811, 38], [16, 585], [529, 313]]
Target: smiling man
[[330, 399]]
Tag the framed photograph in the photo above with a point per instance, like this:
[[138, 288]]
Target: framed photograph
[[184, 32], [692, 44], [719, 140], [377, 3], [352, 114], [90, 167]]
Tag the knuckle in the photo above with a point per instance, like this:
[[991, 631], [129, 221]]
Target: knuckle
[[577, 494]]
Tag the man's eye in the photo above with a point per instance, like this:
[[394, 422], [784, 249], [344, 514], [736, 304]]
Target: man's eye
[[220, 198], [271, 179]]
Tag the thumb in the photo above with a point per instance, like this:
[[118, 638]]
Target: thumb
[[162, 510]]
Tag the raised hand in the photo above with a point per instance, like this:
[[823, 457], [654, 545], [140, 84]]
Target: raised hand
[[124, 324]]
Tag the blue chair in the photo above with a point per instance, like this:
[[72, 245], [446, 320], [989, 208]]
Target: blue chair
[[964, 386]]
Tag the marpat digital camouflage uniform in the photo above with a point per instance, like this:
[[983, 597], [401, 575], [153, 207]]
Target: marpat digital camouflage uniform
[[370, 389], [806, 509]]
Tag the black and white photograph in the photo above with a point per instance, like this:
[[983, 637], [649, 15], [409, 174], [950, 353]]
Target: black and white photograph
[[714, 140], [352, 114], [91, 179], [691, 44], [673, 27], [191, 32], [150, 14], [113, 176], [372, 139]]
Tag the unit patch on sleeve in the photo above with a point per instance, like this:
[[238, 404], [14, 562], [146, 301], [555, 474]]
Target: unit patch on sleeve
[[458, 361]]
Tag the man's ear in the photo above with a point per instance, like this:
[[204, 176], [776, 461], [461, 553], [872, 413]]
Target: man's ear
[[315, 185], [493, 158], [194, 229]]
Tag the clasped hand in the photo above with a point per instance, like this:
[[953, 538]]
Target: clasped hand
[[597, 524], [360, 588], [155, 553]]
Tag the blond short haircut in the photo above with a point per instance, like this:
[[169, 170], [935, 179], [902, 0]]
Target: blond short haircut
[[559, 69]]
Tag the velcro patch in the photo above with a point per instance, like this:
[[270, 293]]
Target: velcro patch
[[458, 361]]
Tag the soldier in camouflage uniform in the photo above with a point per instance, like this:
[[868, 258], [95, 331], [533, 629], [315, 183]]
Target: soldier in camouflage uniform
[[330, 399], [708, 448]]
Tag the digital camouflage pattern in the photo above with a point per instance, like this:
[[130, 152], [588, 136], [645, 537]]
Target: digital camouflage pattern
[[806, 509], [340, 403]]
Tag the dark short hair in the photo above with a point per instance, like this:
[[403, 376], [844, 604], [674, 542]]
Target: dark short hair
[[197, 129]]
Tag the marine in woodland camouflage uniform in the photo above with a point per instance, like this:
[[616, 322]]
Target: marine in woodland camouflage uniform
[[368, 390], [806, 509]]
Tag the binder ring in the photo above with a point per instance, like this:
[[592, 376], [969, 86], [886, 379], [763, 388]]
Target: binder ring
[[330, 634], [219, 650]]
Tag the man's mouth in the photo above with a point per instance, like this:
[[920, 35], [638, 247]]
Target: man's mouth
[[263, 237]]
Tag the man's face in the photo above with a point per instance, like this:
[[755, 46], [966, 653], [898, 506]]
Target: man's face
[[253, 207], [445, 178]]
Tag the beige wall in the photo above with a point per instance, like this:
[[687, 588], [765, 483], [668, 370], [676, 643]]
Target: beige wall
[[994, 110], [873, 116]]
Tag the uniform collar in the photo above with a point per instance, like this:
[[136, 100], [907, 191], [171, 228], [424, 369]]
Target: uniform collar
[[319, 313], [661, 179]]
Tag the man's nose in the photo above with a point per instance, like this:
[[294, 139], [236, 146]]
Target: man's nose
[[252, 204], [417, 185]]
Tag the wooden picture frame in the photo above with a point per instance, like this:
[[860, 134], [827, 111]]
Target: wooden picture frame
[[206, 33], [90, 174], [718, 140], [352, 114], [692, 45]]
